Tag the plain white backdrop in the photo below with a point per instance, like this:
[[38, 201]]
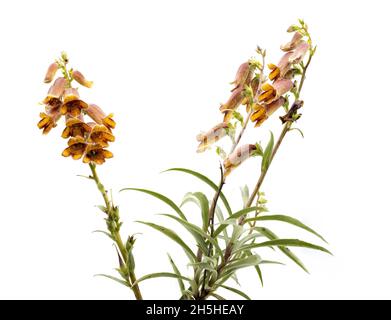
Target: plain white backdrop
[[163, 68]]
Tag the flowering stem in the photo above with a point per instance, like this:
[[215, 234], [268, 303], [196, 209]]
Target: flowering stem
[[113, 225], [241, 133]]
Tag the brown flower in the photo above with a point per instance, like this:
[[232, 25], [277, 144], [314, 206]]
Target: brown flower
[[238, 157], [97, 114], [76, 148], [53, 98], [49, 119], [297, 36], [232, 104], [264, 111], [243, 75], [79, 77], [271, 92], [75, 127], [213, 135], [101, 135], [51, 72], [72, 103], [97, 154]]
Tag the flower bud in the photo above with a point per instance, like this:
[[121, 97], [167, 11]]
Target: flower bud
[[51, 72], [79, 77]]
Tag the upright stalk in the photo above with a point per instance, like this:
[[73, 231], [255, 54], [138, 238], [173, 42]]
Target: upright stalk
[[113, 225]]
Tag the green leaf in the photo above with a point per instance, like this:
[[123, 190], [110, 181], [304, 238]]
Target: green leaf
[[269, 234], [233, 217], [200, 234], [208, 182], [237, 291], [159, 275], [178, 273], [250, 261], [202, 201], [114, 279], [218, 297], [220, 217], [287, 243], [160, 197], [267, 155], [173, 236], [104, 232], [245, 195], [287, 219], [259, 272]]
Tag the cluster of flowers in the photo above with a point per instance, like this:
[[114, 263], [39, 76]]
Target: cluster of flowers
[[87, 140], [267, 95]]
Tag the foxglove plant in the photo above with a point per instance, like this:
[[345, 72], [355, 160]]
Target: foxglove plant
[[227, 242], [88, 141]]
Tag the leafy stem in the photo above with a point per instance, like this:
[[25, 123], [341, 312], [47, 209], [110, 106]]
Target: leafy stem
[[113, 226]]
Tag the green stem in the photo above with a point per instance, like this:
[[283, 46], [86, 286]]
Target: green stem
[[114, 227]]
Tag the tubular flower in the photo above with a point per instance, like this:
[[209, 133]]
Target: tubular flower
[[291, 45], [234, 101], [49, 120], [53, 98], [297, 50], [75, 127], [79, 77], [271, 92], [51, 72], [264, 111], [72, 103], [237, 157], [97, 154], [242, 75], [100, 134], [97, 114], [213, 135], [76, 148]]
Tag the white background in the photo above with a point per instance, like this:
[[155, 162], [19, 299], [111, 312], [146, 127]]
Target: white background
[[163, 67]]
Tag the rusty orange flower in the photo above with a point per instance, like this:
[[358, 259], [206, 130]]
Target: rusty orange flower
[[95, 153], [72, 103], [263, 111], [75, 127], [49, 119], [76, 148], [100, 134], [53, 97], [97, 114]]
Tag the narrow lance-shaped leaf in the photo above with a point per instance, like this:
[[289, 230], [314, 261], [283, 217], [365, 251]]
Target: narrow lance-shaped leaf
[[233, 217], [268, 153], [287, 219], [285, 242], [193, 231], [162, 198], [272, 236], [202, 201], [173, 236], [237, 291], [208, 181], [159, 275], [113, 278], [177, 272]]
